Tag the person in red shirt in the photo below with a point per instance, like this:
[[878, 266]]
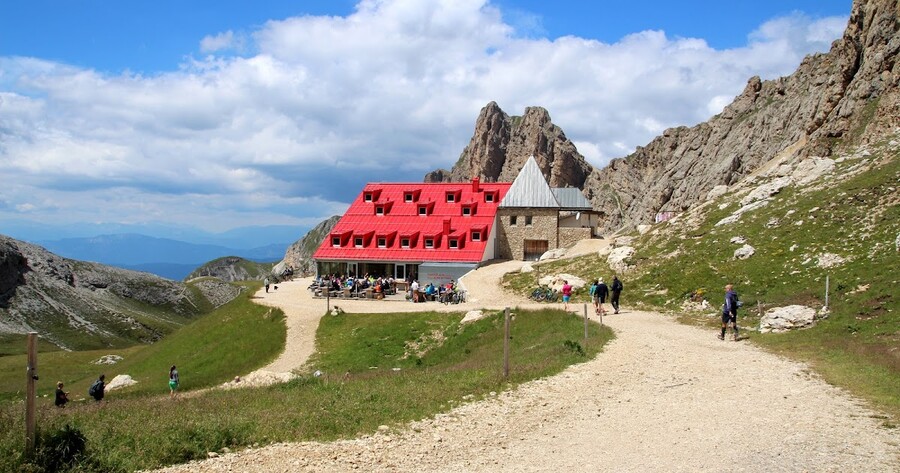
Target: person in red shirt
[[567, 293]]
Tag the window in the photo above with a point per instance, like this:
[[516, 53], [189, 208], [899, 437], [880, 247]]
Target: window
[[368, 197], [423, 210], [489, 197], [358, 242], [467, 211], [382, 242], [512, 220], [451, 197], [379, 210], [429, 243], [404, 243], [454, 243], [528, 220], [408, 197], [476, 236], [335, 241]]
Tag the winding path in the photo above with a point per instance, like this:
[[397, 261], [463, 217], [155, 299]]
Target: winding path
[[660, 397]]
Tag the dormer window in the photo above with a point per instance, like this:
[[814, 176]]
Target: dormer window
[[335, 241], [489, 197], [451, 197], [454, 243], [382, 242], [358, 242], [466, 211], [429, 243], [379, 210], [368, 197], [476, 236], [423, 210], [404, 243], [408, 197]]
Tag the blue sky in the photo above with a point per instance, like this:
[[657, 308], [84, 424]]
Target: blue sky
[[223, 114]]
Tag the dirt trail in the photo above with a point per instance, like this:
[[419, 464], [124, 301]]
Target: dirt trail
[[661, 397]]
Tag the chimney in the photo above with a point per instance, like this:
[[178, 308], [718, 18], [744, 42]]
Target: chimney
[[475, 183], [446, 226]]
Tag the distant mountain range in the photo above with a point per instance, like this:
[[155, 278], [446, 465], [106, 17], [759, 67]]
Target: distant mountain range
[[172, 259]]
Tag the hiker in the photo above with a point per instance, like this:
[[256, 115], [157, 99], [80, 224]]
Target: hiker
[[266, 283], [567, 294], [602, 294], [98, 389], [414, 291], [62, 397], [592, 292], [729, 312], [173, 381], [616, 291]]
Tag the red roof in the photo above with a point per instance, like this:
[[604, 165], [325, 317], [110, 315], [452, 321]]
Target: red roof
[[390, 215]]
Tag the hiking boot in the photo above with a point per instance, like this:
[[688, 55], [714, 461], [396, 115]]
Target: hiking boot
[[720, 337]]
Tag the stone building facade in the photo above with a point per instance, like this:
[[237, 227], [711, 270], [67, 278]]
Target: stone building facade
[[516, 226]]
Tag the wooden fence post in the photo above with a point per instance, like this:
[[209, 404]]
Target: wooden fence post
[[506, 344], [31, 369]]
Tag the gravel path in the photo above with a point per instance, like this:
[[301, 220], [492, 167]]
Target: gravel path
[[661, 397]]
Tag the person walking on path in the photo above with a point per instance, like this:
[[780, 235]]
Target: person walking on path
[[266, 283], [98, 389], [729, 312], [567, 294], [173, 381], [602, 294], [62, 397], [616, 292], [594, 297]]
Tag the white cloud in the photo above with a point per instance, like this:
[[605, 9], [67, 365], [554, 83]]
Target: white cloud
[[328, 103]]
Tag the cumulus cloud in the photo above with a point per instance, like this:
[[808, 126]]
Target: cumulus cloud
[[325, 104]]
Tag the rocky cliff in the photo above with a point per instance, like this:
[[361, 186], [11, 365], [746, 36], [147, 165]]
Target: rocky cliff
[[501, 145], [80, 305], [844, 97], [299, 255]]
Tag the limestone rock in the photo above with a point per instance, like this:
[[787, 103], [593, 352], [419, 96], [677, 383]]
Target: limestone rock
[[744, 252], [472, 316], [618, 258], [830, 260], [501, 144], [556, 281], [553, 254], [811, 169], [716, 192], [782, 319], [527, 268], [643, 228], [108, 360], [119, 382], [766, 190], [738, 240]]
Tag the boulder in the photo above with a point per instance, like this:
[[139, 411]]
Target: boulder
[[643, 228], [119, 382], [527, 268], [811, 169], [554, 254], [782, 319], [738, 240], [472, 316], [766, 190], [556, 281], [618, 258], [108, 360], [744, 252], [717, 191]]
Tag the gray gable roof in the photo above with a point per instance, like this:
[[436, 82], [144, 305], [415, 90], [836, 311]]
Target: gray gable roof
[[530, 189], [570, 198]]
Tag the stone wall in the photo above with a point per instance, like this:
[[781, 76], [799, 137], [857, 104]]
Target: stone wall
[[511, 238], [570, 236]]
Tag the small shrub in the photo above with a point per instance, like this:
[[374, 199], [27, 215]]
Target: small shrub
[[58, 450], [574, 347]]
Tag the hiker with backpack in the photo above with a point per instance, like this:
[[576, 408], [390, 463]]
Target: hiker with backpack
[[616, 291], [98, 389], [729, 312]]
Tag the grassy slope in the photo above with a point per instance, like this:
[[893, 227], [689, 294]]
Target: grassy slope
[[145, 432], [858, 346], [206, 351]]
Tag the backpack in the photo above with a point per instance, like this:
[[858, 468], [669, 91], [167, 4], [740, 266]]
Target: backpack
[[94, 390]]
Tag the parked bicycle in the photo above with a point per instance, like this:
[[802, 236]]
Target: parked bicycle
[[545, 294]]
